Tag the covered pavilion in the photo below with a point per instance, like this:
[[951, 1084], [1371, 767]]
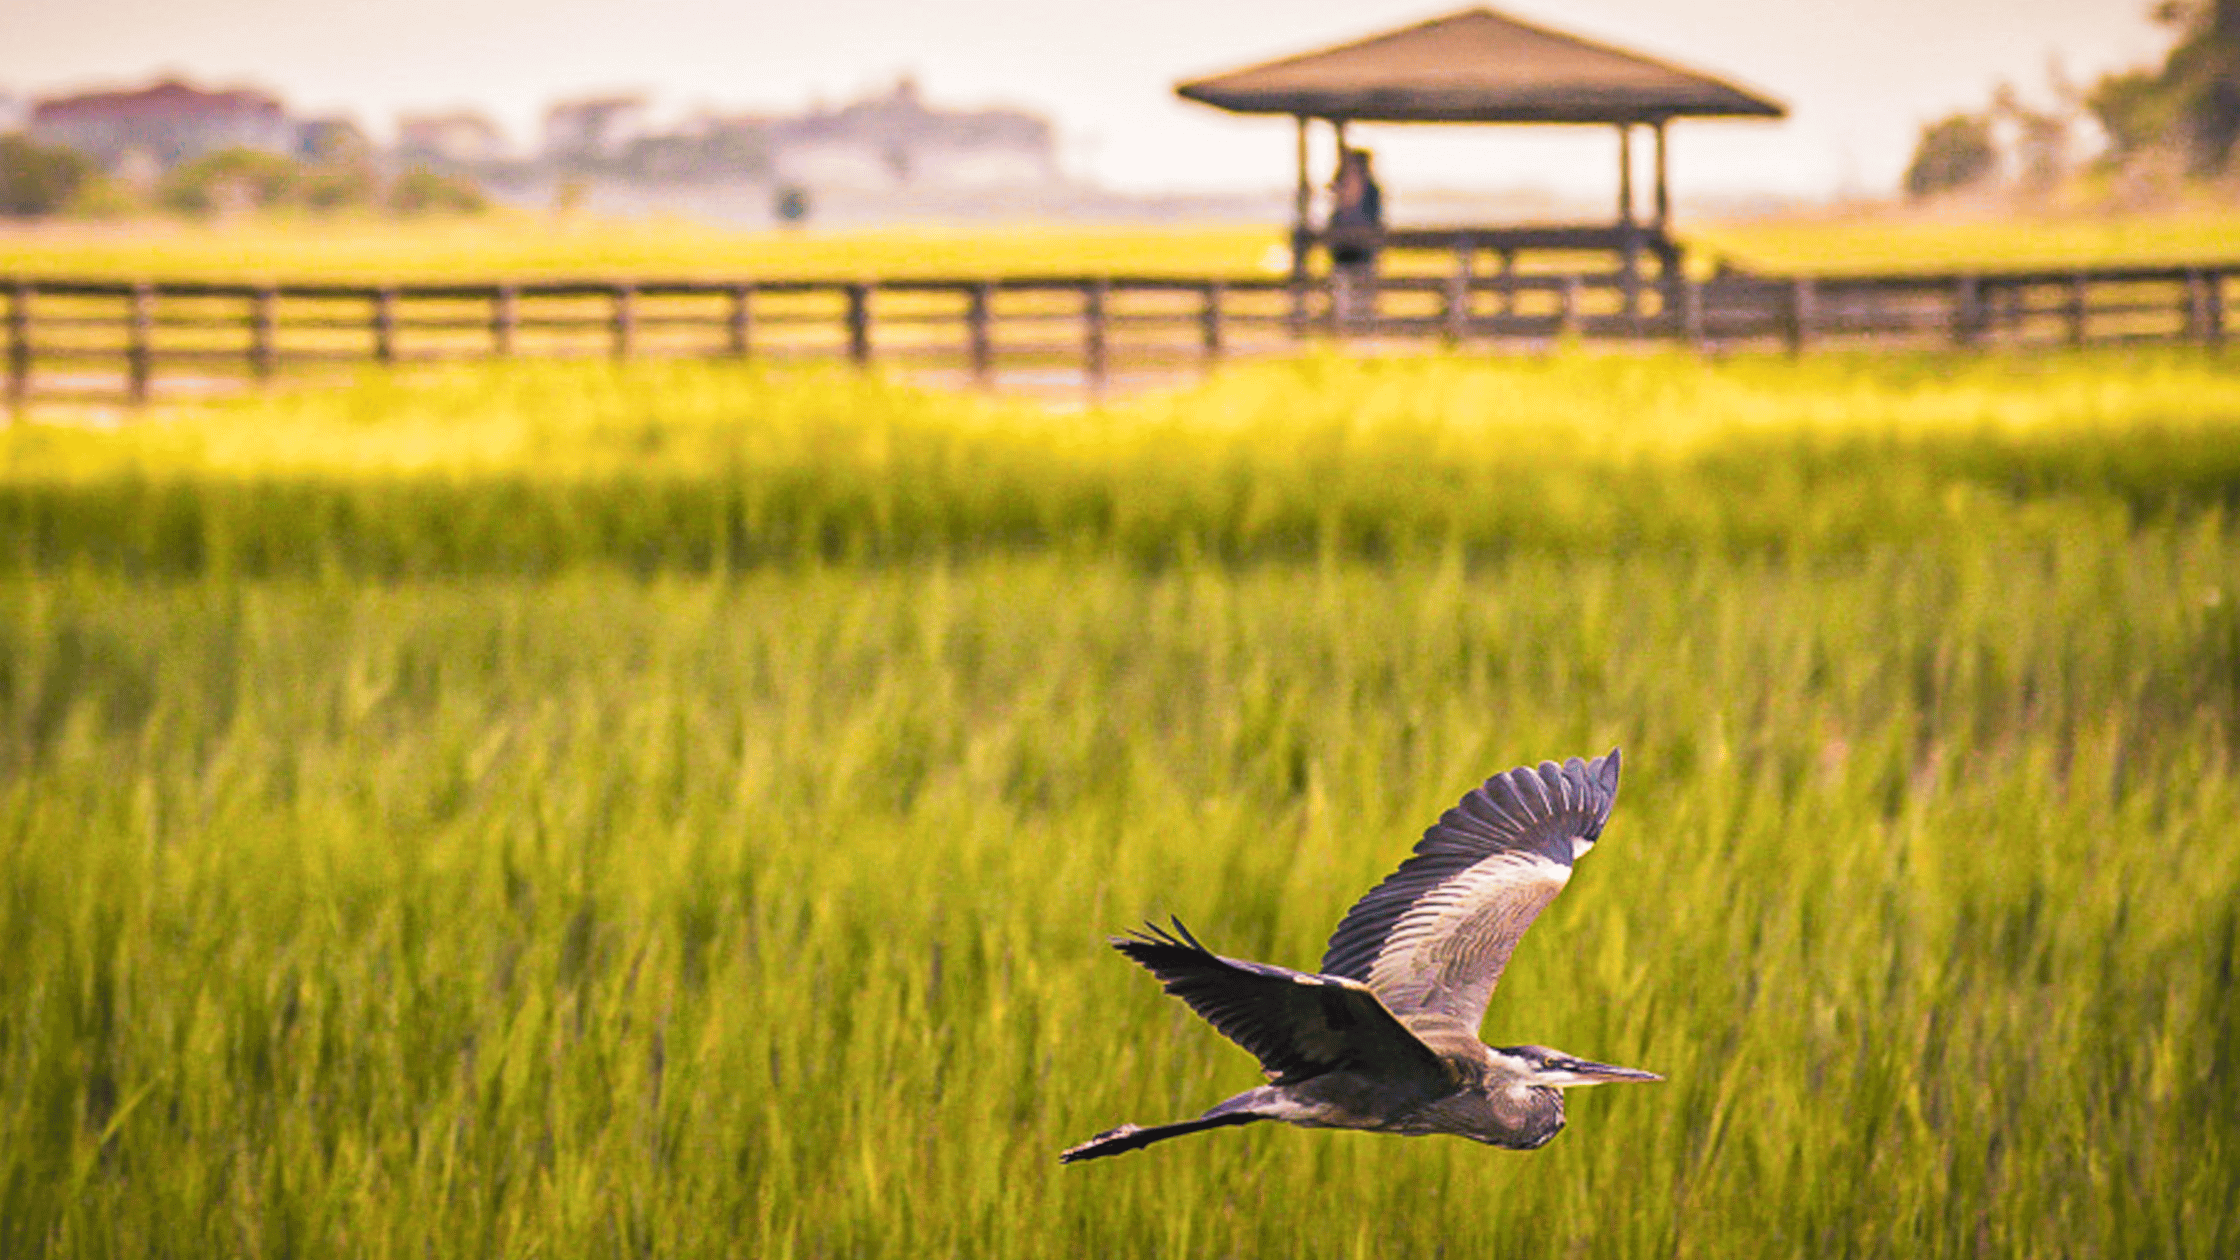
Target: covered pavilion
[[1479, 66]]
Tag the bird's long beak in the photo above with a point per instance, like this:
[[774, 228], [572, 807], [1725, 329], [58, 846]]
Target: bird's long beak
[[1565, 1073]]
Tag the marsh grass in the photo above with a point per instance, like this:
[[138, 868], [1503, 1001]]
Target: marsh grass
[[673, 908], [693, 467]]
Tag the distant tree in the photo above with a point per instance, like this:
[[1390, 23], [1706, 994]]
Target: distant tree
[[230, 181], [339, 184], [2040, 148], [38, 179], [1953, 153], [422, 191], [2133, 112], [2192, 103]]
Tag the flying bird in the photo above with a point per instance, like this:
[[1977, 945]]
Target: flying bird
[[1385, 1036]]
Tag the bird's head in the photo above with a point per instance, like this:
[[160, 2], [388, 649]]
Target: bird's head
[[1553, 1069]]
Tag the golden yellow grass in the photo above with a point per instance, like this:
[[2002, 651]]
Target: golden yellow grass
[[1883, 241], [525, 246], [522, 246]]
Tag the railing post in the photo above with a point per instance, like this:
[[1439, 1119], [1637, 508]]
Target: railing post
[[1093, 334], [1803, 314], [2204, 307], [625, 320], [385, 325], [139, 350], [1458, 288], [505, 319], [19, 345], [1209, 322], [980, 345], [859, 324], [264, 319], [1967, 310], [2080, 307], [1569, 320], [1692, 328], [741, 322]]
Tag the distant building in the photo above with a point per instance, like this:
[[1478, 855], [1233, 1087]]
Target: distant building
[[331, 139], [593, 129], [896, 142], [163, 125], [457, 138], [706, 148]]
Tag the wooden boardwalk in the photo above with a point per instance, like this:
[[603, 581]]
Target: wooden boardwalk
[[130, 344]]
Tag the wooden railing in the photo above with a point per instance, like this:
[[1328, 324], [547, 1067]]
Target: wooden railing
[[108, 340]]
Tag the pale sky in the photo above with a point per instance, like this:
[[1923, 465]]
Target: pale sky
[[1860, 76]]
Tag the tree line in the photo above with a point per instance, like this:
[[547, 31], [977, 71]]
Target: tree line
[[38, 180], [2182, 116]]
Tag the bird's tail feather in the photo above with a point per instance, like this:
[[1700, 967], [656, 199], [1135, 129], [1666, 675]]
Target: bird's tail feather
[[1129, 1137]]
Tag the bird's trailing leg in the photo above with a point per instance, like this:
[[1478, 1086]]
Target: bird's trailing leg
[[1129, 1137]]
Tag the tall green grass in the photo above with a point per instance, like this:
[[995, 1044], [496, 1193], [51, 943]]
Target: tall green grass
[[688, 467], [636, 910]]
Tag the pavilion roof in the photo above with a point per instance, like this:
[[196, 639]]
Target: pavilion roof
[[1477, 66]]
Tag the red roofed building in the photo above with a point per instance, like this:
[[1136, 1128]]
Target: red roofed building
[[170, 122]]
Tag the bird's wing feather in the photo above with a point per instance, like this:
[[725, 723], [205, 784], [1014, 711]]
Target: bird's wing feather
[[1298, 1025], [1434, 937]]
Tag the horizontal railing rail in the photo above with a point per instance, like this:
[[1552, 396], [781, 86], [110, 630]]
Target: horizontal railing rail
[[76, 339]]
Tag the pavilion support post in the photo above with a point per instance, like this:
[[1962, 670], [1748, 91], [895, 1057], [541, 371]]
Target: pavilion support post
[[1662, 206], [1625, 174], [1302, 236], [1343, 286], [1629, 231]]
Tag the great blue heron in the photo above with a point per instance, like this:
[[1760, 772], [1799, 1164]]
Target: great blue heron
[[1385, 1038]]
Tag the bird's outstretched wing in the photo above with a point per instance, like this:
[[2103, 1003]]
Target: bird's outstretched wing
[[1434, 937], [1297, 1024]]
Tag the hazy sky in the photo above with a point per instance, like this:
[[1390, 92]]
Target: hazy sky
[[1860, 76]]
